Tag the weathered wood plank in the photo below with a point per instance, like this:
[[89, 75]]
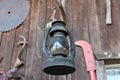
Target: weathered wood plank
[[16, 47], [114, 29], [22, 30], [104, 31], [100, 70], [32, 71], [40, 34], [107, 54], [42, 14], [94, 32], [75, 5], [80, 31], [6, 49], [87, 22], [68, 11]]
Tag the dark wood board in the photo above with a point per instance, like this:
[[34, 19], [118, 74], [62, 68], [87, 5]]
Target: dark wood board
[[86, 21]]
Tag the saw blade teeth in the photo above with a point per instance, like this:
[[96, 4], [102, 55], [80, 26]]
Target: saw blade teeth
[[17, 11]]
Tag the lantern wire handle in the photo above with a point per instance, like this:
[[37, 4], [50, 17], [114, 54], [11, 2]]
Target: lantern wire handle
[[72, 45], [52, 18], [62, 11]]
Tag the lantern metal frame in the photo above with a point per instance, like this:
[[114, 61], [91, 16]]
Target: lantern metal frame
[[56, 65]]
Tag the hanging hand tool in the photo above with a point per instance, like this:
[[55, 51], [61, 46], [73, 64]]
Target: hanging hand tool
[[89, 58], [108, 12], [12, 13], [62, 11]]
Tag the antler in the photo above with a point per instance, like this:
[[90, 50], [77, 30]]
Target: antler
[[18, 61]]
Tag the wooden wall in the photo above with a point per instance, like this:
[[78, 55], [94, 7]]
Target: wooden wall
[[87, 21]]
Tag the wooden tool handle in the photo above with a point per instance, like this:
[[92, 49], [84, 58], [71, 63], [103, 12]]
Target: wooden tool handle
[[108, 12]]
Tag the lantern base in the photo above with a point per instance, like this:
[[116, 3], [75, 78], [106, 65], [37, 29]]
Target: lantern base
[[59, 66]]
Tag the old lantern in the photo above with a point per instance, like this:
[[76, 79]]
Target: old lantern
[[59, 52]]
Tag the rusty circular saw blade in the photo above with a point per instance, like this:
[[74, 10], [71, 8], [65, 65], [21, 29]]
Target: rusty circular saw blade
[[12, 13]]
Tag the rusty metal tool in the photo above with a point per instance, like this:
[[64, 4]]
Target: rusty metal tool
[[89, 58], [12, 13]]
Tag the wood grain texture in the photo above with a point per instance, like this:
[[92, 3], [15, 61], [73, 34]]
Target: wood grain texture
[[114, 30], [107, 55], [31, 72], [6, 49], [95, 40], [104, 29], [80, 31], [86, 21]]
